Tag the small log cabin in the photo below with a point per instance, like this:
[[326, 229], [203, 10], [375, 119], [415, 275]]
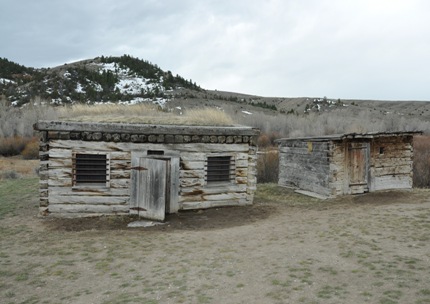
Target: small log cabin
[[89, 169], [348, 163]]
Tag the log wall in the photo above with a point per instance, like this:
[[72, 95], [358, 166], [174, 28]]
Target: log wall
[[305, 165], [391, 163], [59, 197], [322, 166]]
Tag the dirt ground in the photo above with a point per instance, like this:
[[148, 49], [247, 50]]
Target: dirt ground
[[286, 248]]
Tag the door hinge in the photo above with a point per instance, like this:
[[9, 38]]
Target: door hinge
[[139, 168], [138, 209]]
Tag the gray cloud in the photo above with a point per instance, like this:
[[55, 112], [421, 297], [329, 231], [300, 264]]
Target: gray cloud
[[340, 49]]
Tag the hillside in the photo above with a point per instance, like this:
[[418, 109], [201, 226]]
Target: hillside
[[131, 80], [102, 79], [128, 80]]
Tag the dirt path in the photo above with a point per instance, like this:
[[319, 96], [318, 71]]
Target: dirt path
[[373, 248]]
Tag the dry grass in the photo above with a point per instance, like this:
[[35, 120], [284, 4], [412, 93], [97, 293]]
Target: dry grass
[[20, 166], [82, 110], [144, 113]]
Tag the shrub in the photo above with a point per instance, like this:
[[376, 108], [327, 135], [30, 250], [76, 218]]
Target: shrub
[[266, 140], [268, 166], [31, 150], [263, 141], [11, 146], [421, 166]]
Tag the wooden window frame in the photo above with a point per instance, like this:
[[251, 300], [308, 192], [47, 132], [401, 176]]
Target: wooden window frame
[[211, 172], [88, 184], [155, 152]]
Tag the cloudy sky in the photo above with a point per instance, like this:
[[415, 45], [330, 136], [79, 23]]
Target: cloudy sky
[[363, 49]]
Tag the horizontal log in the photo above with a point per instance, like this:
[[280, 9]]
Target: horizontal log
[[224, 196], [192, 174], [196, 156], [192, 165], [96, 209], [126, 147], [213, 204], [88, 200], [392, 182], [241, 163], [64, 182], [391, 162], [392, 170], [233, 188], [207, 194], [304, 167], [115, 155], [189, 198], [60, 173], [396, 155], [120, 164], [60, 162], [191, 182], [60, 153], [390, 147], [120, 183], [95, 146], [241, 156], [116, 174], [211, 148], [88, 191]]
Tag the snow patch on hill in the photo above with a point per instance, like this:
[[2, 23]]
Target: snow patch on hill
[[5, 81], [129, 82]]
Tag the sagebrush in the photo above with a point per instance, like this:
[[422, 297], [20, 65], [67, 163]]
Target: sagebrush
[[268, 165], [11, 146]]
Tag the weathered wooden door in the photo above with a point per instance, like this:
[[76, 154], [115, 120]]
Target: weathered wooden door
[[148, 197], [358, 167]]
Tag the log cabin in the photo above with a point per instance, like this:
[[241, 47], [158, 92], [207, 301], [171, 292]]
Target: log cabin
[[92, 169], [328, 166]]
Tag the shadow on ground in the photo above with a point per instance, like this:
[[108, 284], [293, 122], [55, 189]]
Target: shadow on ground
[[214, 218]]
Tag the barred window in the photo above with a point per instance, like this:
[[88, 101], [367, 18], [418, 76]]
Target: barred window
[[220, 169], [90, 169]]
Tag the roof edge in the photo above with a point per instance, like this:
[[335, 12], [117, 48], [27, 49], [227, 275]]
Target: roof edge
[[368, 135], [45, 125]]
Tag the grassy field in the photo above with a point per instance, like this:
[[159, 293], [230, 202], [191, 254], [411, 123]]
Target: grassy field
[[16, 195], [286, 248]]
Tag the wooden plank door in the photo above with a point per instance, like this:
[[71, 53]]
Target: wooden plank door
[[148, 196], [358, 167]]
